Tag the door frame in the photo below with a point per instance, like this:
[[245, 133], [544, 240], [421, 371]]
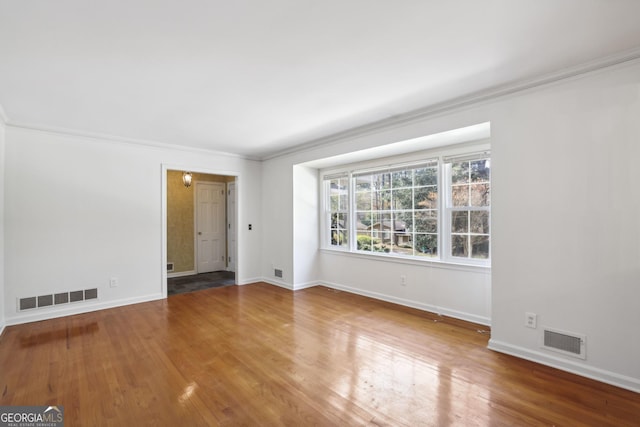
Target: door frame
[[165, 167], [231, 220]]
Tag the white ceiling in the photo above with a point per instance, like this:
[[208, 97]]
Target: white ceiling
[[255, 77]]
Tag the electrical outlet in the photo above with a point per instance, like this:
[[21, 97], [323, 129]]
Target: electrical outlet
[[531, 320], [403, 280], [113, 282]]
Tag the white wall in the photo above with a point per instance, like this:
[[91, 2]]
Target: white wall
[[2, 169], [277, 218], [79, 211], [306, 233], [565, 221], [464, 293], [565, 211]]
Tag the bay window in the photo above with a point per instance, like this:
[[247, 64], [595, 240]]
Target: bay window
[[434, 209]]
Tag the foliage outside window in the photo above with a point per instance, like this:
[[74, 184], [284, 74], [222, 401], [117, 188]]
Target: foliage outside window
[[469, 207], [396, 211], [437, 209], [338, 190]]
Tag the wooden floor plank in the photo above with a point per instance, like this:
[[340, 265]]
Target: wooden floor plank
[[261, 355]]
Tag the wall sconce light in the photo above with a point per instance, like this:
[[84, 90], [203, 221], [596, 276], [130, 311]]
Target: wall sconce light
[[186, 179]]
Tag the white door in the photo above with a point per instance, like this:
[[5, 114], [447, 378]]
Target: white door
[[210, 227], [231, 226]]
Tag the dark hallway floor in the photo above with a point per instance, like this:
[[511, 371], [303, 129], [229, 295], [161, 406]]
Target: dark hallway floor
[[198, 282]]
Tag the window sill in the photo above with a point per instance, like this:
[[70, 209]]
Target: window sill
[[448, 265]]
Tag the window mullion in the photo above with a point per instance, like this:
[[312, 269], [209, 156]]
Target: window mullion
[[352, 214], [442, 209]]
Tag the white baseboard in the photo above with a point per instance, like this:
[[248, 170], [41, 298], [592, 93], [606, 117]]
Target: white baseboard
[[249, 281], [571, 366], [299, 286], [413, 304], [388, 298], [181, 274], [77, 308], [294, 287], [2, 326], [276, 282]]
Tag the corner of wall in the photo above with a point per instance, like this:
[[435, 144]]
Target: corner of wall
[[3, 120], [3, 117]]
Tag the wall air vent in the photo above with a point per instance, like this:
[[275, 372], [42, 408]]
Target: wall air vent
[[27, 303], [61, 298], [45, 300], [277, 272], [169, 267], [566, 343], [50, 300]]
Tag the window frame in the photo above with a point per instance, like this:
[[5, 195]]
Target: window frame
[[403, 162], [448, 208], [327, 212]]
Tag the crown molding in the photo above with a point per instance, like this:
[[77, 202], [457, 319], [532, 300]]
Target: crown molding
[[474, 99], [99, 137], [446, 107]]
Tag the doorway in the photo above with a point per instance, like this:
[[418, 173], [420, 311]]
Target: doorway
[[196, 239]]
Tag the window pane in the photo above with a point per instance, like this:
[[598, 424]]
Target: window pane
[[344, 202], [402, 244], [480, 222], [365, 242], [402, 238], [364, 230], [381, 234], [459, 246], [375, 218], [363, 201], [426, 176], [338, 194], [402, 199], [426, 221], [460, 173], [460, 221], [426, 244], [480, 247], [426, 197], [460, 195], [335, 202], [363, 222], [338, 231], [338, 185], [480, 195], [342, 221], [480, 170], [402, 178], [381, 200], [381, 181], [404, 221], [381, 229], [363, 183]]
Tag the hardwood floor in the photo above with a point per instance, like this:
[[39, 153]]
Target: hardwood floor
[[262, 355]]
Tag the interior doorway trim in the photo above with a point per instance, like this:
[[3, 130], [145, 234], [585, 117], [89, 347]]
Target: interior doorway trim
[[165, 167]]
